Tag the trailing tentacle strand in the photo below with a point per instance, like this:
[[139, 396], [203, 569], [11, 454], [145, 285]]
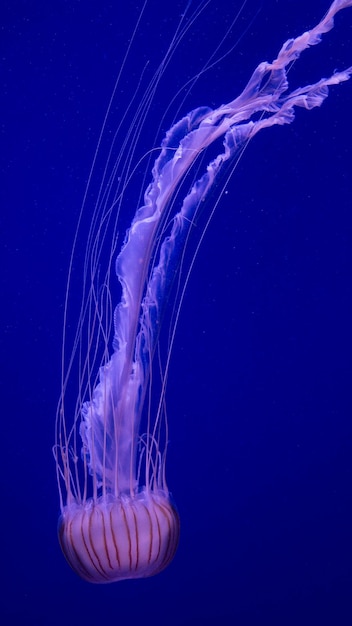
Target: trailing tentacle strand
[[119, 394]]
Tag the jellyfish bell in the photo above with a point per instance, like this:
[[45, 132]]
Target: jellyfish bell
[[117, 538], [118, 520]]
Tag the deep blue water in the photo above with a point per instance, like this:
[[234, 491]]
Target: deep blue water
[[259, 396]]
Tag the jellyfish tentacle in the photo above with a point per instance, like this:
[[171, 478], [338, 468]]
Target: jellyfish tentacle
[[114, 411]]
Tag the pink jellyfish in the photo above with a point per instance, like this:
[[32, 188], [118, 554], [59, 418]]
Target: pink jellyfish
[[118, 520]]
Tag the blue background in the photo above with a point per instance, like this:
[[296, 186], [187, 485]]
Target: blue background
[[259, 395]]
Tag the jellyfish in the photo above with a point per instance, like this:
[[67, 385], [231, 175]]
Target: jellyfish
[[118, 519]]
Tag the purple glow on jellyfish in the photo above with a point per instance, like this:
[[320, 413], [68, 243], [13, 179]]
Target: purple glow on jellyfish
[[117, 518]]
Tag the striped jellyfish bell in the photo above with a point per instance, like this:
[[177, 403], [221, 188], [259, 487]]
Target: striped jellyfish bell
[[115, 539]]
